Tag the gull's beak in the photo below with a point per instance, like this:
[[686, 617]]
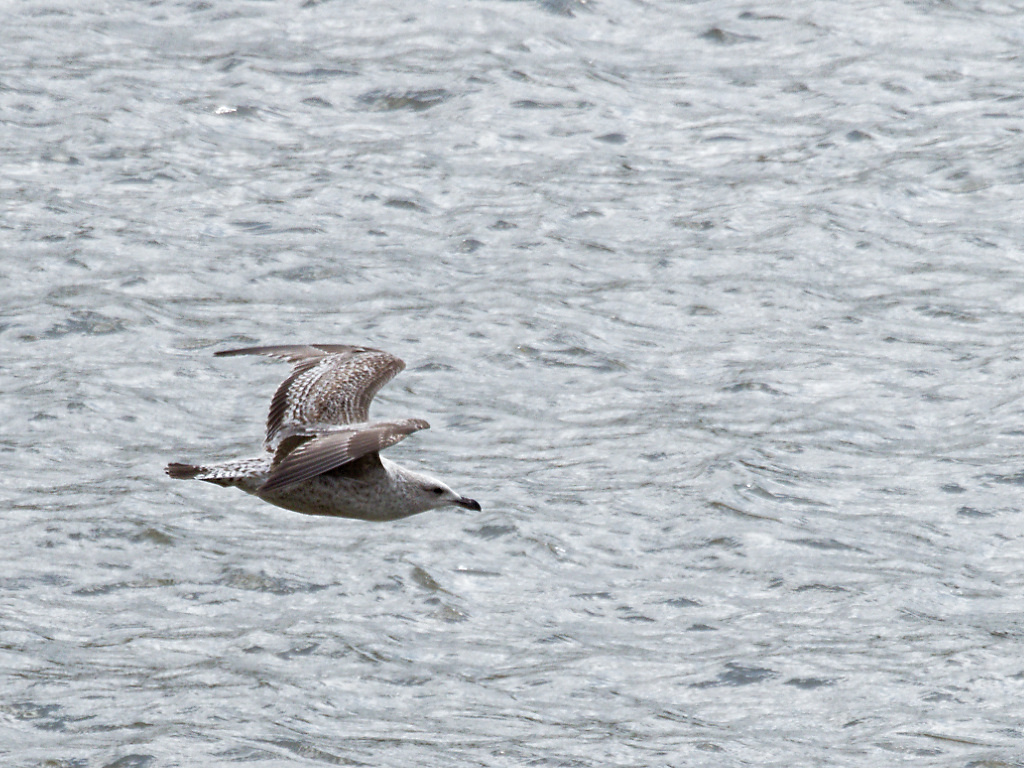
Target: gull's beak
[[467, 503]]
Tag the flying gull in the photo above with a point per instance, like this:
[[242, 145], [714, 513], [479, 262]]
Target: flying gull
[[322, 451]]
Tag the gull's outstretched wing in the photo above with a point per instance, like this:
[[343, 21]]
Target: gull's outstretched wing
[[307, 452], [330, 384]]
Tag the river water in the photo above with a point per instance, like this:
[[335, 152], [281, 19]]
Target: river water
[[717, 308]]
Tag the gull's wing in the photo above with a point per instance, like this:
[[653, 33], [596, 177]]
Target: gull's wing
[[307, 452], [329, 384]]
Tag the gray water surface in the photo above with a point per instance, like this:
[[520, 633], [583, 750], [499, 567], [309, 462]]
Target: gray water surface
[[716, 308]]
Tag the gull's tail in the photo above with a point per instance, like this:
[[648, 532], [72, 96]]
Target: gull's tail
[[184, 471], [245, 473]]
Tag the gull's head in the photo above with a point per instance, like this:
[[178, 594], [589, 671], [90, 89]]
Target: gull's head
[[423, 492], [434, 493], [426, 492]]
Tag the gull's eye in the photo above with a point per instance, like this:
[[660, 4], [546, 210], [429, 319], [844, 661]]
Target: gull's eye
[[437, 491]]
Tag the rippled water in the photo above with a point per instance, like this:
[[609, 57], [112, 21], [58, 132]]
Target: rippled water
[[715, 307]]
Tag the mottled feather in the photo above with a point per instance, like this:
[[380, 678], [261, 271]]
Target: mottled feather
[[304, 456], [330, 384]]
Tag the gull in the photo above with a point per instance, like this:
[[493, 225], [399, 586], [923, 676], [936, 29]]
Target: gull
[[322, 451]]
